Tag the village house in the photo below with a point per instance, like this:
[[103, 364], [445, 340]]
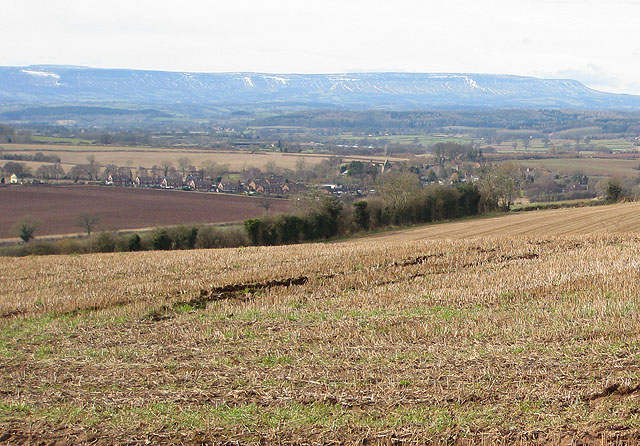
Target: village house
[[293, 187], [194, 183], [274, 185], [114, 179], [230, 187], [171, 183], [145, 181]]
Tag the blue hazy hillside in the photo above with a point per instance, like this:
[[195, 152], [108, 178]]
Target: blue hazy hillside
[[55, 85]]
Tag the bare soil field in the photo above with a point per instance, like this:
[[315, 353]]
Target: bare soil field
[[149, 156], [621, 218], [121, 208], [527, 340]]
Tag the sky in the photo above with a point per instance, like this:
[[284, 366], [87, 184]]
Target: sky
[[596, 42]]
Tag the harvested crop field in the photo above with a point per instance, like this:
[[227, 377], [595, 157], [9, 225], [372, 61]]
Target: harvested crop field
[[590, 166], [494, 340], [121, 208], [621, 218], [150, 156]]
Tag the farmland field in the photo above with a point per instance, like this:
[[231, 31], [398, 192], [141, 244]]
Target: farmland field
[[149, 156], [121, 208], [501, 339], [589, 166], [482, 340], [613, 219]]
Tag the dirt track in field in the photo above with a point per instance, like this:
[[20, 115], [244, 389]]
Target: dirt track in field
[[121, 208]]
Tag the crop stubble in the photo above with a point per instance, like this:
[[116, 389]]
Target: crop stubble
[[494, 339], [621, 218], [150, 156]]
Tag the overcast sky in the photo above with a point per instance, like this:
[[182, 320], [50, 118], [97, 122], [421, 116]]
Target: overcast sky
[[594, 41]]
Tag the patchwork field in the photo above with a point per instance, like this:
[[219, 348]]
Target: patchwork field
[[389, 340], [121, 208], [589, 166], [149, 156]]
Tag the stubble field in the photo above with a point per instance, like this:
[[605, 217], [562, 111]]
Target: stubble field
[[621, 218], [530, 339], [149, 156], [603, 167]]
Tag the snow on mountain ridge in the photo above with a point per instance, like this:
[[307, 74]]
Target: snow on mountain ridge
[[43, 75], [51, 84]]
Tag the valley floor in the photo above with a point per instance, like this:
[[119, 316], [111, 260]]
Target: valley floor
[[530, 339]]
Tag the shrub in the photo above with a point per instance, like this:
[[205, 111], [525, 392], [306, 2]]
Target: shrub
[[26, 227], [468, 200], [361, 215], [161, 240], [184, 237], [40, 249], [72, 246], [612, 190], [212, 237], [253, 227], [289, 228], [105, 242], [134, 243]]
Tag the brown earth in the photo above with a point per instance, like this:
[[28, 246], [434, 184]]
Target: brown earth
[[121, 208]]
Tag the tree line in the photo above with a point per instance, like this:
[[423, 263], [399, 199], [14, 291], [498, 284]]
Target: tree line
[[319, 217], [330, 218]]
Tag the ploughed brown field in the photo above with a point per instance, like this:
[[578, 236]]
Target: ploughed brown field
[[121, 208]]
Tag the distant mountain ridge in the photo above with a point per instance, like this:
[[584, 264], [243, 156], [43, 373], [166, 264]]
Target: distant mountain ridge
[[54, 85]]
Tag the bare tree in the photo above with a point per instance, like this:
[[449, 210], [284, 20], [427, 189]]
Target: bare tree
[[210, 168], [397, 187], [87, 221], [166, 165], [93, 168], [53, 171], [264, 202], [183, 164], [301, 169], [500, 184], [270, 167]]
